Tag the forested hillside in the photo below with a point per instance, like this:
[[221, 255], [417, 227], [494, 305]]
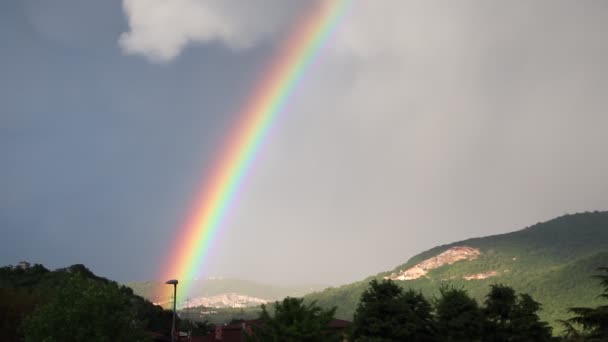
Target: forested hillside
[[553, 261]]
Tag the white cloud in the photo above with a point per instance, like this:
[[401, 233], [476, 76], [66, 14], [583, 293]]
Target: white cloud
[[161, 29]]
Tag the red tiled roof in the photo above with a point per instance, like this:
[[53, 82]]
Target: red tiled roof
[[338, 324]]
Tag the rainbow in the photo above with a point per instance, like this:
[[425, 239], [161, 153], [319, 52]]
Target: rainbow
[[220, 188]]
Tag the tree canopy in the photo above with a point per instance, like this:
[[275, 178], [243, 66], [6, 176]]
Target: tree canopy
[[294, 321], [387, 313], [458, 316], [35, 301], [594, 321], [85, 310]]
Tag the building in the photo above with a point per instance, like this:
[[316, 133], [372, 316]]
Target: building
[[24, 265]]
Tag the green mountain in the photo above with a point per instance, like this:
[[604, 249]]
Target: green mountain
[[553, 261]]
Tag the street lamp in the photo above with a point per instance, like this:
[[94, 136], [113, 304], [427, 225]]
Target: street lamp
[[174, 283]]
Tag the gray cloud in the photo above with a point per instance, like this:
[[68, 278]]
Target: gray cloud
[[421, 123], [426, 123]]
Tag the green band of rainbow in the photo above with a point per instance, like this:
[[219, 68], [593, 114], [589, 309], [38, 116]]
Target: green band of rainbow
[[268, 100]]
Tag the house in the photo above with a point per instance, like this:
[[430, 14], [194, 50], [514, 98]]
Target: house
[[24, 265]]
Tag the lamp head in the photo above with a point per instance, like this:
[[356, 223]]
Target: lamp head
[[171, 282]]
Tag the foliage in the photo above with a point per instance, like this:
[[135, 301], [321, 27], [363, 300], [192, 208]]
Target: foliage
[[18, 297], [85, 310], [551, 261], [25, 290], [509, 318], [387, 313], [458, 316], [594, 321], [526, 324], [15, 305], [294, 321]]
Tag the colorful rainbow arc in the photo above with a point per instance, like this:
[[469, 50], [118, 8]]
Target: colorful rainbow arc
[[269, 99]]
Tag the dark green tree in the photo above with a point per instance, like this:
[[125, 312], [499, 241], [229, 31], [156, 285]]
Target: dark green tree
[[458, 316], [387, 313], [84, 310], [509, 318], [15, 305], [498, 311], [594, 321], [294, 321], [526, 325]]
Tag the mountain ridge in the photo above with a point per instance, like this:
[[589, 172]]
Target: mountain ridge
[[205, 290], [549, 260]]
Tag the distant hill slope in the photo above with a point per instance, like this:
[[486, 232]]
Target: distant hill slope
[[214, 287], [552, 261]]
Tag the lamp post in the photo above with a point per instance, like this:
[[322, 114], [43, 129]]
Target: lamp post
[[174, 283]]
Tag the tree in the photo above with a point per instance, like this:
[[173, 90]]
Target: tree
[[295, 321], [498, 311], [387, 313], [15, 304], [594, 321], [458, 316], [509, 318], [526, 325], [84, 310]]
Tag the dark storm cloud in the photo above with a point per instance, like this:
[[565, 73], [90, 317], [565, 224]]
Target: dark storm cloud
[[100, 151]]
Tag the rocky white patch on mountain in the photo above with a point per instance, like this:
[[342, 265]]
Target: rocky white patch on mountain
[[448, 257], [480, 276]]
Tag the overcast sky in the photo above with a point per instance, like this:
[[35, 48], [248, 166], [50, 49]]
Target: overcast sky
[[421, 123]]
